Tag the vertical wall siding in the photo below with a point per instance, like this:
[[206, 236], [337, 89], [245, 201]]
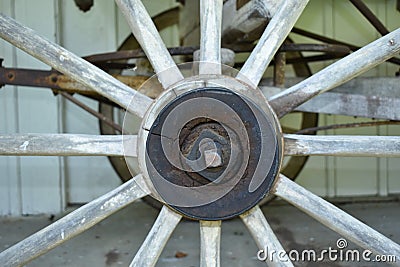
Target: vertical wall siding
[[335, 176], [31, 185], [10, 179], [85, 34], [101, 29]]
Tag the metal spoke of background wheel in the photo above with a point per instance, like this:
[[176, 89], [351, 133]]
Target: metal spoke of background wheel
[[264, 235], [338, 145], [147, 35], [74, 223], [67, 145], [337, 73], [156, 239], [72, 65], [93, 112], [336, 219], [274, 35], [210, 239], [210, 38], [370, 16]]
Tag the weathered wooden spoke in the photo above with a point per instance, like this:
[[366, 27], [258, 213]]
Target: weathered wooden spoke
[[337, 73], [336, 219], [74, 223], [264, 235], [338, 145], [210, 42], [272, 38], [66, 62], [156, 239], [67, 145], [149, 39], [210, 239]]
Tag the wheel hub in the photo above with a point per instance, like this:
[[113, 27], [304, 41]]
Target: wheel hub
[[211, 152]]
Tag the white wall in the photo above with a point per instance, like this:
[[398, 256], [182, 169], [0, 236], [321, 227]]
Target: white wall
[[334, 176], [84, 34], [31, 185], [102, 29]]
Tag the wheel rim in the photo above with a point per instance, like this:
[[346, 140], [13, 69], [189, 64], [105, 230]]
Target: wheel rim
[[138, 104]]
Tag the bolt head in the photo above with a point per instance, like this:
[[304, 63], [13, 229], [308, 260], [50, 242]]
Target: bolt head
[[212, 158]]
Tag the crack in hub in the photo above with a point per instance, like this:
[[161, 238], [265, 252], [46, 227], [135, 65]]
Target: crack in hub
[[240, 139]]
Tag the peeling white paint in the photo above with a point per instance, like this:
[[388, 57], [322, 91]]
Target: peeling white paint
[[24, 146], [115, 200]]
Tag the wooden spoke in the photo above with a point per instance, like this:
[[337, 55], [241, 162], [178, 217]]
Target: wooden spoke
[[74, 223], [337, 73], [156, 239], [210, 39], [336, 219], [149, 39], [264, 236], [67, 145], [337, 145], [73, 66], [274, 35], [210, 237]]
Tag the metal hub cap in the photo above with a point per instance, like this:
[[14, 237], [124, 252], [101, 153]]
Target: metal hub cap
[[211, 152]]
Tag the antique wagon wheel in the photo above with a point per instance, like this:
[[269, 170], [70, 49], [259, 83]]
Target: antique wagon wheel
[[291, 168], [210, 147]]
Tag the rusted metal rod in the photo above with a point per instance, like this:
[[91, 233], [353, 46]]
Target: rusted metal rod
[[138, 53], [75, 67], [327, 48], [363, 8], [316, 58], [279, 69], [98, 115], [59, 82], [347, 125], [42, 78], [333, 41], [189, 50]]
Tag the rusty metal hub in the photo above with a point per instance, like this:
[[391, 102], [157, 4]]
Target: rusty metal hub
[[212, 154], [208, 137]]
